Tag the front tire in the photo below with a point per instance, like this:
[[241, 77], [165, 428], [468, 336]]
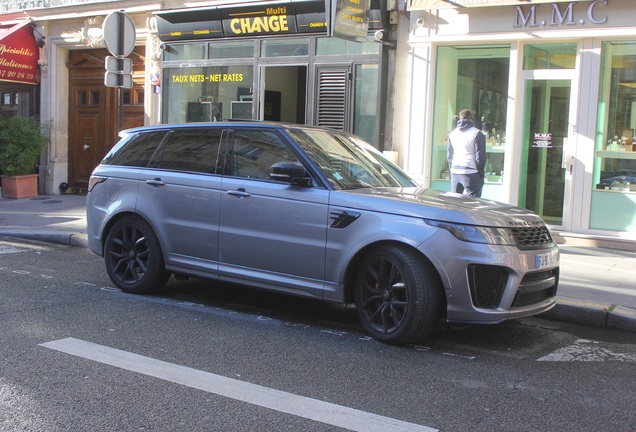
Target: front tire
[[397, 295], [133, 257]]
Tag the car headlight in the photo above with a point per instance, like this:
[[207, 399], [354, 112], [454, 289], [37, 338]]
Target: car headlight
[[477, 234]]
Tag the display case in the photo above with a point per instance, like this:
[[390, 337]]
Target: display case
[[617, 169], [614, 197]]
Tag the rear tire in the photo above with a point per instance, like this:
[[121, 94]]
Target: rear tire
[[133, 257], [397, 295]]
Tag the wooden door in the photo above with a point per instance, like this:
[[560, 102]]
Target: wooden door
[[86, 132], [93, 112]]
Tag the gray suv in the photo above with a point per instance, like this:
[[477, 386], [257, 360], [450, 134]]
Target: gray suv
[[316, 213]]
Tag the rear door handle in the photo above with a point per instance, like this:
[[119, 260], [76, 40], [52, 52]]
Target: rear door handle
[[155, 182], [239, 193]]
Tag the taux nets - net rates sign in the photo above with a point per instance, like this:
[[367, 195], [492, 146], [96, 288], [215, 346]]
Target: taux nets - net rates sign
[[19, 54]]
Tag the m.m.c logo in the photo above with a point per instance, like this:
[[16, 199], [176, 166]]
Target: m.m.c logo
[[561, 16]]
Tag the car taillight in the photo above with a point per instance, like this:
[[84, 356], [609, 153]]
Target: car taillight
[[95, 180]]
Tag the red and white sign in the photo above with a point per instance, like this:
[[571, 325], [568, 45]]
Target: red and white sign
[[19, 54]]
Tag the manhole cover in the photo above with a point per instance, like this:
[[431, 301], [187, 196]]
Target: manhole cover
[[52, 202]]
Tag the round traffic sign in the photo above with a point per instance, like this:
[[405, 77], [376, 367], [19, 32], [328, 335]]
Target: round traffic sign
[[119, 33]]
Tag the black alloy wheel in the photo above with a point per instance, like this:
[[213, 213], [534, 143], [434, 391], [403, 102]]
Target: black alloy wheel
[[397, 295], [133, 257]]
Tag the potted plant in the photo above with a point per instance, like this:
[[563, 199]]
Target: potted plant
[[22, 140]]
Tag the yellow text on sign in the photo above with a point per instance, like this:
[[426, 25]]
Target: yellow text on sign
[[201, 78]]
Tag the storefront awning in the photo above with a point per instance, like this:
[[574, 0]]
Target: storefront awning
[[250, 20], [445, 4], [19, 54]]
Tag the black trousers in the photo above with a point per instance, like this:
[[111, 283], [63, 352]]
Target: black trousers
[[467, 184]]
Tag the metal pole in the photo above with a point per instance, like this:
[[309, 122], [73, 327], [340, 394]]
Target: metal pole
[[120, 71]]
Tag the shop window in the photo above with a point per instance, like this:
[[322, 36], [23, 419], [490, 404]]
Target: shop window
[[549, 56], [16, 102], [365, 107], [284, 47], [191, 51], [336, 46], [475, 78], [614, 197], [207, 94], [224, 50]]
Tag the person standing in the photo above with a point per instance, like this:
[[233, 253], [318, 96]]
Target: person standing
[[466, 156]]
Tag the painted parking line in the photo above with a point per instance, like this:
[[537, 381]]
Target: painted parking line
[[324, 412], [584, 350], [10, 248]]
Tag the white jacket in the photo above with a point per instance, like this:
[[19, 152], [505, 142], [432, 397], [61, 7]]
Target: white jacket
[[466, 152]]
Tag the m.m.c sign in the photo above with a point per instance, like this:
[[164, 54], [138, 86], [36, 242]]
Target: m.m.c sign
[[561, 14]]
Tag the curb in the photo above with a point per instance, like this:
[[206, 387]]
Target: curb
[[593, 314], [75, 240]]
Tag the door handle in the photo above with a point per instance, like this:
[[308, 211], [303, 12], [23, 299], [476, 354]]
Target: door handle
[[239, 193], [155, 182], [86, 147]]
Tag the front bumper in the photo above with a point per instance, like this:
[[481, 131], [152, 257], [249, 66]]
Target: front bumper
[[488, 284]]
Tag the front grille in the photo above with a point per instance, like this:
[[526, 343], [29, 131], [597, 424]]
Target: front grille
[[536, 287], [532, 237], [487, 285]]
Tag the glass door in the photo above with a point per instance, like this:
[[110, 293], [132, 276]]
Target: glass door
[[546, 159]]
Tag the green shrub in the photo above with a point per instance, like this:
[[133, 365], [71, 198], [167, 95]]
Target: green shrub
[[22, 140]]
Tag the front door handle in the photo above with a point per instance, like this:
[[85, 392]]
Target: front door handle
[[155, 182], [86, 147]]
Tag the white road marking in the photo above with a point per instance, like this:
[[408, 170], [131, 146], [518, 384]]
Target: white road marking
[[8, 248], [324, 412], [587, 351]]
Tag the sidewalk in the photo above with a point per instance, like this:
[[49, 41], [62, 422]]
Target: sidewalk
[[597, 285]]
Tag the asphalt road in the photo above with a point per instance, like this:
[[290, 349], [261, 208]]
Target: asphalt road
[[79, 355]]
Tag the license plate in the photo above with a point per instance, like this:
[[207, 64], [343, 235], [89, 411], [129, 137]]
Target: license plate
[[547, 260]]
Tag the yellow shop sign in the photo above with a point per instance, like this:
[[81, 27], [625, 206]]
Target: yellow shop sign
[[268, 21]]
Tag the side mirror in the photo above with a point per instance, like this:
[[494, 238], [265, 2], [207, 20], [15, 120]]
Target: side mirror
[[290, 172]]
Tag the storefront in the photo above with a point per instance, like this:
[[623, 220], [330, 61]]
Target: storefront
[[554, 88], [196, 63], [270, 63], [19, 70]]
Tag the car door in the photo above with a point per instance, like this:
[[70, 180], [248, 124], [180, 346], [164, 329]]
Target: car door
[[272, 234], [180, 193]]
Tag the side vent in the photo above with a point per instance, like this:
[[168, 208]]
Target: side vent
[[343, 219]]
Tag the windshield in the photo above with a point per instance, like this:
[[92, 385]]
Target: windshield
[[348, 162]]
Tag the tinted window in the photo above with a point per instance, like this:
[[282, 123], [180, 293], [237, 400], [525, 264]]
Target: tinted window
[[192, 150], [253, 152], [135, 150]]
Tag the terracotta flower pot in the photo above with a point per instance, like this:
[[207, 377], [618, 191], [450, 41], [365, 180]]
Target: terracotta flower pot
[[24, 186]]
